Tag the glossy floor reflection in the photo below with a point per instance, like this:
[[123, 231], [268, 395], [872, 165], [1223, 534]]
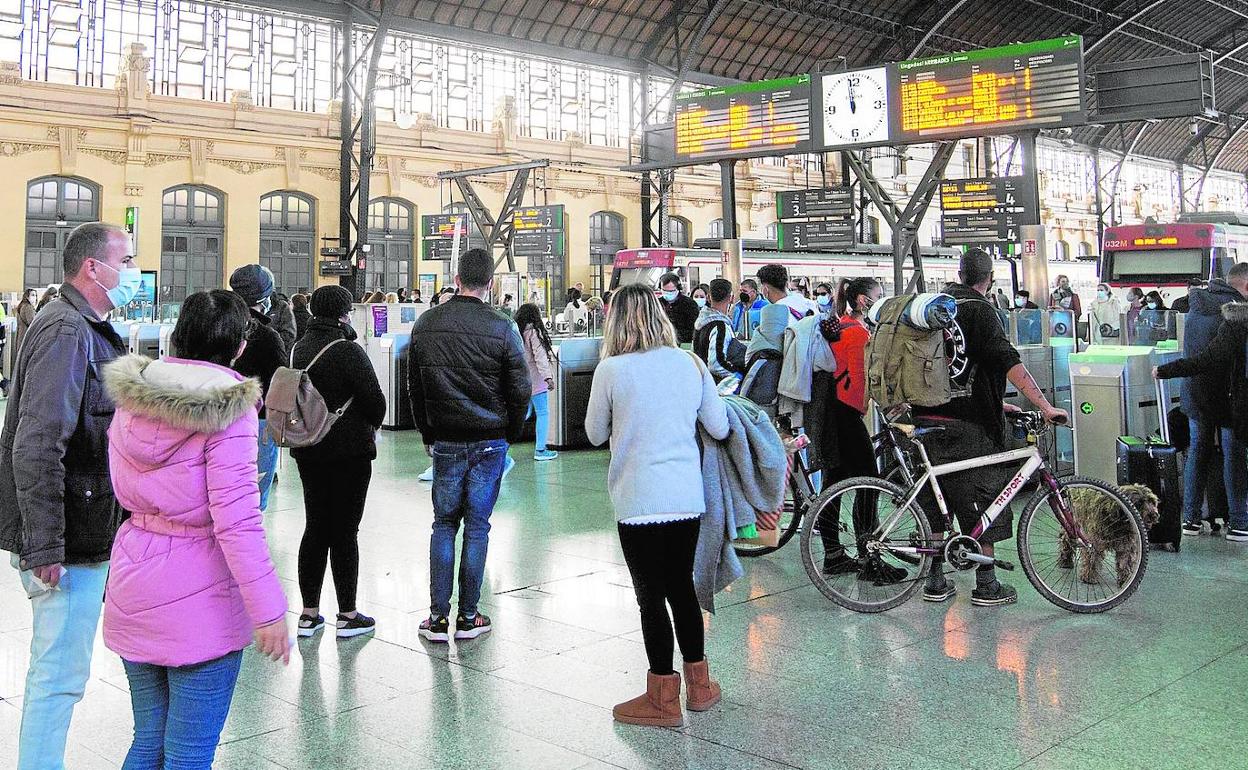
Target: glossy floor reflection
[[1158, 683]]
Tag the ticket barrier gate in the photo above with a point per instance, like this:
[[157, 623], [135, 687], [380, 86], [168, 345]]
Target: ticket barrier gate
[[576, 358], [1114, 395], [145, 339], [166, 341], [389, 357]]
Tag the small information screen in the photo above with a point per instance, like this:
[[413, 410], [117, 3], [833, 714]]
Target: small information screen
[[816, 236], [437, 231], [767, 117], [539, 231], [835, 201], [980, 211], [993, 90]]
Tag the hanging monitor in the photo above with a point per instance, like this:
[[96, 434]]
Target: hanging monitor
[[770, 117]]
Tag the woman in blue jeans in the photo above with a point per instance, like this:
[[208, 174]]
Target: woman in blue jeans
[[538, 354]]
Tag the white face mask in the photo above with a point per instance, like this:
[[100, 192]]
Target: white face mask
[[670, 296], [1019, 302], [1102, 295], [700, 300]]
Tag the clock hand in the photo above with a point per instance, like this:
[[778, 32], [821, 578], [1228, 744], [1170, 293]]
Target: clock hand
[[853, 106]]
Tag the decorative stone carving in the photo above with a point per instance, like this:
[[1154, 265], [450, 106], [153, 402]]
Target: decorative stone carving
[[115, 157], [133, 190], [334, 109], [425, 121], [424, 180], [160, 159], [246, 167], [68, 139], [242, 101], [394, 172], [10, 73], [332, 174], [12, 149], [505, 118], [136, 140], [131, 83], [184, 145]]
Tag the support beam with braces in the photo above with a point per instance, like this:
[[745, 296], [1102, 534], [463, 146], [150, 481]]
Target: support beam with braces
[[498, 231]]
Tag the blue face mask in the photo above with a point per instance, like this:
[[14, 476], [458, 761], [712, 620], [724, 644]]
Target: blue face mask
[[670, 296], [127, 288], [823, 299]]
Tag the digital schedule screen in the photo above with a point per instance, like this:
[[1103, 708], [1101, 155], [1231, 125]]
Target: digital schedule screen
[[837, 201], [770, 117], [988, 210], [538, 231], [994, 90]]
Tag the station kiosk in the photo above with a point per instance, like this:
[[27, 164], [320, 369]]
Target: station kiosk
[[1113, 394]]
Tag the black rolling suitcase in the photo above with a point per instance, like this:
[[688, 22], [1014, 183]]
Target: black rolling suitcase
[[1155, 464]]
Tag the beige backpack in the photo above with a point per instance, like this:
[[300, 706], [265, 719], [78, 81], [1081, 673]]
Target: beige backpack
[[297, 414]]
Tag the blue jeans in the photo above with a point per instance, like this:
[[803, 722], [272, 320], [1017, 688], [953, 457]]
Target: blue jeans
[[466, 478], [65, 619], [539, 406], [266, 464], [1234, 473], [179, 712]]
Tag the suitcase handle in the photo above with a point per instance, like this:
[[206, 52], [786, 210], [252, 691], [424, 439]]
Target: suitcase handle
[[1163, 402]]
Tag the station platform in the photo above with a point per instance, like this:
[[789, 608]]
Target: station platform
[[1156, 683]]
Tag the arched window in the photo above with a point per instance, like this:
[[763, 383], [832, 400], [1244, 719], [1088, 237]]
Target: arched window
[[55, 205], [1061, 250], [606, 237], [1085, 249], [192, 233], [392, 233], [678, 232], [773, 231], [715, 229], [287, 235]]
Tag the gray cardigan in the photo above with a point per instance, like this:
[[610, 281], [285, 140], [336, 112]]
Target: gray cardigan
[[649, 405]]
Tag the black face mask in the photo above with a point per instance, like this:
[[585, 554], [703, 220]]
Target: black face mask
[[745, 298]]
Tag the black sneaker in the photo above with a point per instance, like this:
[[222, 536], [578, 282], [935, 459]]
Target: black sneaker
[[874, 570], [840, 564], [471, 628], [436, 629], [1191, 527], [993, 595], [309, 625], [1237, 535], [940, 592], [1215, 526], [360, 624]]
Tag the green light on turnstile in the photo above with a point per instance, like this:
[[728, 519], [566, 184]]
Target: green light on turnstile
[[1087, 408]]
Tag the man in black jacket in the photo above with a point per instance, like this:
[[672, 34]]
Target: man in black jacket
[[681, 310], [974, 425], [469, 388], [58, 515], [262, 356]]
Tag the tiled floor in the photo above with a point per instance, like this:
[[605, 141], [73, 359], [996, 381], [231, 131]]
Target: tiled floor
[[1158, 683]]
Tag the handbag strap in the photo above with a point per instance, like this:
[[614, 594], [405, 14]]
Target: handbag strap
[[317, 357]]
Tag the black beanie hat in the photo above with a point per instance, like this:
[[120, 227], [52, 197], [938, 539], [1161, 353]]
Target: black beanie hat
[[331, 302]]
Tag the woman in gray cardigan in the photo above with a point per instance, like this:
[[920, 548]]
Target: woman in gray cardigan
[[648, 397]]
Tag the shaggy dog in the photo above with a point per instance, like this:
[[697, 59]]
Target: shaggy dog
[[1107, 529]]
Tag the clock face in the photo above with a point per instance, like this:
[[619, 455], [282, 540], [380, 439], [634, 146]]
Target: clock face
[[855, 107]]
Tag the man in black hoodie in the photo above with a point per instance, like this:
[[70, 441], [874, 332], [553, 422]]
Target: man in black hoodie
[[469, 387], [974, 425], [264, 353]]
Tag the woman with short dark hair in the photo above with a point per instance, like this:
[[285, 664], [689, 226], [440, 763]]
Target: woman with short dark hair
[[336, 471], [190, 581]]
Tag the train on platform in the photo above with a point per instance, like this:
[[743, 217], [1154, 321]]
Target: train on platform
[[808, 268], [1169, 257]]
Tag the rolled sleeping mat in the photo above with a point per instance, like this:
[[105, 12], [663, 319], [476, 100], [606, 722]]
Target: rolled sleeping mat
[[926, 311]]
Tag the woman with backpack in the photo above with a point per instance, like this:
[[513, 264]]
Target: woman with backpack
[[190, 582], [336, 470], [538, 356]]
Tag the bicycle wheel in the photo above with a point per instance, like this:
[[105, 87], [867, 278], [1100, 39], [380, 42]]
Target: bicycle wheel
[[795, 502], [881, 578], [1097, 575]]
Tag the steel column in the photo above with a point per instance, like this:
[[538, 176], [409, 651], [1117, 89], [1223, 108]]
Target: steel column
[[728, 194]]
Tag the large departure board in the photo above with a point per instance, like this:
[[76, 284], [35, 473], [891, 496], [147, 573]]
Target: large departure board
[[770, 117], [993, 90], [979, 211]]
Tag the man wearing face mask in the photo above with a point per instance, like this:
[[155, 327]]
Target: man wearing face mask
[[682, 311], [264, 353], [750, 303], [1064, 297], [713, 340], [1022, 301], [58, 515]]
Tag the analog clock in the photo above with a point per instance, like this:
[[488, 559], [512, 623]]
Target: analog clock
[[855, 107]]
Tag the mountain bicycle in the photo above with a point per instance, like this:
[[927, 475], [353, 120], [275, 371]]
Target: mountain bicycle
[[1066, 531]]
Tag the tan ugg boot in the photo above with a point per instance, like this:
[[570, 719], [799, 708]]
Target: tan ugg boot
[[701, 692], [658, 707]]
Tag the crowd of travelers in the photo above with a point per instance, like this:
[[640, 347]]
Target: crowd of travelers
[[135, 489]]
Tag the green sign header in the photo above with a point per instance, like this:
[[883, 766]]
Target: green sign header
[[1000, 52]]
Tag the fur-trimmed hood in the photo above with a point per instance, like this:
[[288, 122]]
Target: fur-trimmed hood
[[181, 397], [1236, 312]]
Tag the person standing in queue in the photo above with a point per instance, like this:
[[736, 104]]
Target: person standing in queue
[[1105, 317], [25, 313], [681, 310], [336, 471], [58, 514], [713, 340], [282, 320], [974, 425], [750, 303], [191, 581], [1065, 298], [538, 356], [470, 394], [299, 309], [826, 299], [48, 296], [264, 353], [700, 294], [655, 481]]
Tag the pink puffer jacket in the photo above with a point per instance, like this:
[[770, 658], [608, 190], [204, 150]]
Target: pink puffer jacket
[[191, 576]]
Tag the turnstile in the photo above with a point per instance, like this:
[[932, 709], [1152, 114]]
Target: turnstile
[[576, 358], [1113, 395], [389, 357], [145, 339]]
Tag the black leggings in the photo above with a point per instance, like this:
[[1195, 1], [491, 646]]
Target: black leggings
[[333, 495], [660, 560], [857, 458]]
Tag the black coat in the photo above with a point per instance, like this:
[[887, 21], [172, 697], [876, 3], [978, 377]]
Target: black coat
[[1204, 396], [263, 354], [467, 378], [683, 313], [1221, 364], [302, 317], [343, 372]]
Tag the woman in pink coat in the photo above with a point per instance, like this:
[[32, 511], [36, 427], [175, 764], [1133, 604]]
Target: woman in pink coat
[[191, 580]]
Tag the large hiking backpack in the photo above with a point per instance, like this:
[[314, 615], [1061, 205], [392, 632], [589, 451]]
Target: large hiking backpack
[[297, 414], [905, 363]]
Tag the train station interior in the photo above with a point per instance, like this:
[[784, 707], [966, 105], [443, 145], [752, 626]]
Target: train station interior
[[1093, 149]]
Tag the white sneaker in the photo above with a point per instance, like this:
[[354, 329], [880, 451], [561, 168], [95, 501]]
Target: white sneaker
[[427, 475], [507, 466]]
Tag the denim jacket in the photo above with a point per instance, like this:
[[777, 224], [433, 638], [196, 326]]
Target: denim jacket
[[56, 500]]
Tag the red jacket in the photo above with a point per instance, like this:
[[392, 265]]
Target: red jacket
[[851, 363]]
